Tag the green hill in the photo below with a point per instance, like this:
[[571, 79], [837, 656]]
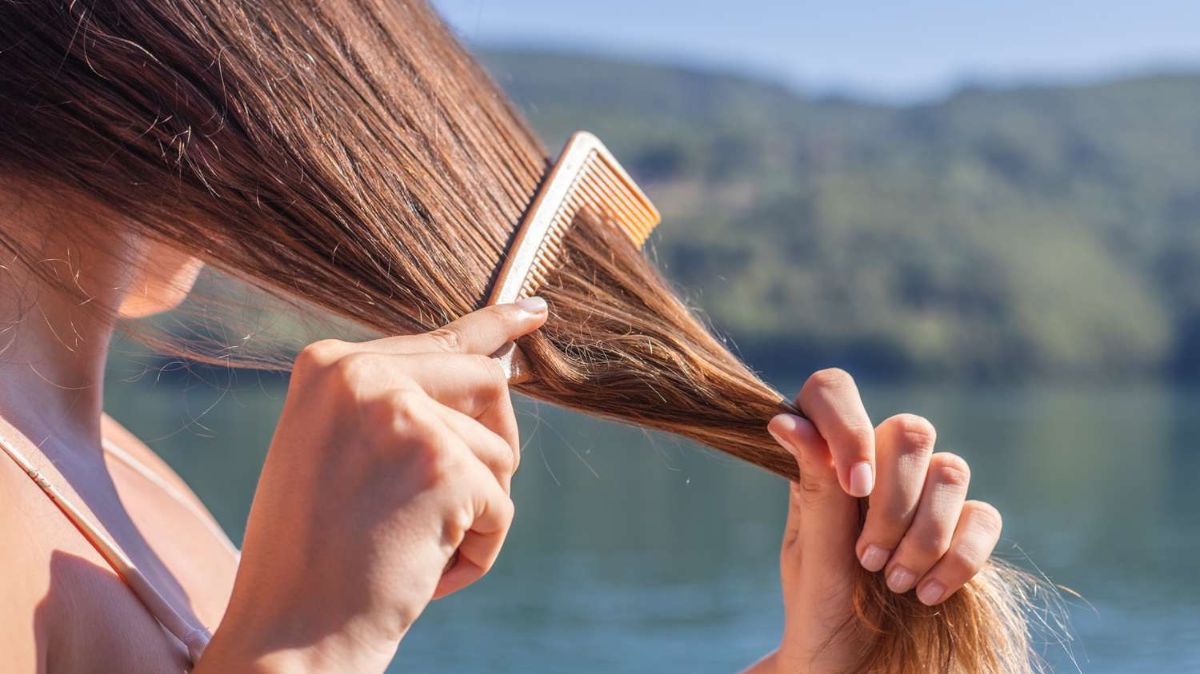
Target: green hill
[[1027, 232]]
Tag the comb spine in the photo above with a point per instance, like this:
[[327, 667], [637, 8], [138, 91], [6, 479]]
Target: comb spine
[[523, 254]]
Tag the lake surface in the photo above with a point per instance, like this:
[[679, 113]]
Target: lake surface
[[634, 552]]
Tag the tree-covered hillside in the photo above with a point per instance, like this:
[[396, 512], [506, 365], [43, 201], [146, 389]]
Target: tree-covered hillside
[[1034, 231]]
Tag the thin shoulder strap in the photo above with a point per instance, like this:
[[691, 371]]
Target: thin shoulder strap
[[194, 637], [129, 461]]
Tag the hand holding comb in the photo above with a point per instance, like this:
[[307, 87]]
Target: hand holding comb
[[586, 176]]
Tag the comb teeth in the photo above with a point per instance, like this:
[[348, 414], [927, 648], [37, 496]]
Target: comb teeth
[[586, 176], [605, 189]]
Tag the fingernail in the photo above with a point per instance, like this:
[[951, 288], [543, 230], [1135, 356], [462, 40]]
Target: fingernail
[[534, 305], [862, 479], [874, 558], [901, 580], [783, 427], [931, 592]]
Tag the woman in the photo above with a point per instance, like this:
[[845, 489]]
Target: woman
[[352, 157]]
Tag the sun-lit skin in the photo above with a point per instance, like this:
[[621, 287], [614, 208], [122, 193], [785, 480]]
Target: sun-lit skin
[[161, 285], [390, 456]]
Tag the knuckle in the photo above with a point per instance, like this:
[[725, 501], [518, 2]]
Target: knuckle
[[508, 511], [499, 457], [985, 517], [317, 356], [432, 467], [393, 415], [967, 558], [813, 493], [456, 523], [950, 469], [892, 518], [915, 432], [490, 389], [508, 458], [503, 312], [448, 338], [787, 549], [933, 543], [516, 458], [857, 435], [407, 411], [339, 382], [830, 378], [378, 415], [349, 371], [497, 381]]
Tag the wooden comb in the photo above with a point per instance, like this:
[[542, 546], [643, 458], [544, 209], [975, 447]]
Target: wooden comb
[[585, 177]]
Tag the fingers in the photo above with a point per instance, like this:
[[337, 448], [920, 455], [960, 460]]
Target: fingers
[[470, 488], [480, 545], [920, 529], [500, 457], [471, 384], [480, 332], [974, 540], [933, 526], [830, 399], [903, 445], [822, 519], [453, 367]]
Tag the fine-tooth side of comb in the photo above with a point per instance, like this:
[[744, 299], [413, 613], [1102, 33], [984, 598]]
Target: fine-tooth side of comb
[[586, 176]]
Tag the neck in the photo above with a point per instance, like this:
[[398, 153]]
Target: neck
[[53, 348], [53, 375]]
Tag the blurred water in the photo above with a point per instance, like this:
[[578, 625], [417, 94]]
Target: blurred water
[[638, 553]]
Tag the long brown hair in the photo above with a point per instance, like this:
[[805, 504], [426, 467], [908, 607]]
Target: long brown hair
[[352, 155]]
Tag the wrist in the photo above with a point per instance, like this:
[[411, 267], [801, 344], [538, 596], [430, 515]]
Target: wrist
[[279, 651]]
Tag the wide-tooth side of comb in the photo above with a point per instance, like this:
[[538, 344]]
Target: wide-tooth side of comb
[[585, 177]]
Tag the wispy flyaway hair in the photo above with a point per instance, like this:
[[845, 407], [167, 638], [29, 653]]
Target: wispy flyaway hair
[[352, 155]]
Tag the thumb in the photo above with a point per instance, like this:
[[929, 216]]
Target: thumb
[[822, 519]]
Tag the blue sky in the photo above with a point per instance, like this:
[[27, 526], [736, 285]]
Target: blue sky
[[899, 50]]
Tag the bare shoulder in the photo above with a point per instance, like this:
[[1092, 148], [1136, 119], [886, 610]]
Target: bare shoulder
[[120, 436], [24, 571], [55, 591], [148, 464]]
